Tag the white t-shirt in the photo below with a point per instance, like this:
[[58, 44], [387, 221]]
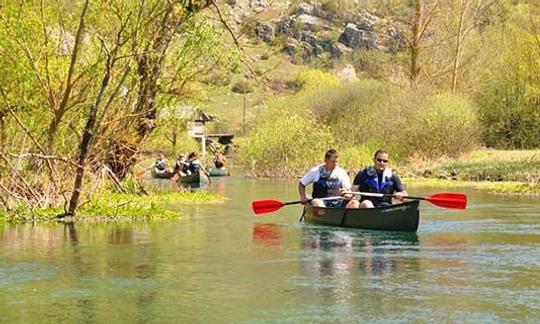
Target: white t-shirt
[[338, 174]]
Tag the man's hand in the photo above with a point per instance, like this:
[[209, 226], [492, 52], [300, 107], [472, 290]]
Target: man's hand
[[400, 195], [304, 200], [348, 196]]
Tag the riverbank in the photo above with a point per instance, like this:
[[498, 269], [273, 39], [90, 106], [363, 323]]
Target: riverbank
[[118, 207], [498, 171]]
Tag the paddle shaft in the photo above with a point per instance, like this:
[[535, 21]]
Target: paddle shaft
[[443, 199], [309, 200], [380, 195]]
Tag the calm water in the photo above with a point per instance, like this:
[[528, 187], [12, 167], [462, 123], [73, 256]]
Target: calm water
[[223, 264]]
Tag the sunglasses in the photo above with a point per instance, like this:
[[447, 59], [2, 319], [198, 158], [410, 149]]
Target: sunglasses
[[382, 160]]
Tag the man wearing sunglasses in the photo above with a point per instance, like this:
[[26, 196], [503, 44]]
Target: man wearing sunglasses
[[377, 179]]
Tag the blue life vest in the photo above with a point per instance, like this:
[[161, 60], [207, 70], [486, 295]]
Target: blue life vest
[[195, 166], [371, 184], [325, 183]]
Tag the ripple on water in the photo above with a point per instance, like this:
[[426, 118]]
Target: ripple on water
[[478, 226]]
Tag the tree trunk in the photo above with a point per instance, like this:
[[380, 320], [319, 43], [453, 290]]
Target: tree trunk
[[458, 49], [123, 154], [60, 111], [84, 147], [415, 42]]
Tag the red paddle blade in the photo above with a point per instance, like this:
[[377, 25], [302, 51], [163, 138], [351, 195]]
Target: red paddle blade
[[266, 206], [448, 200], [139, 174]]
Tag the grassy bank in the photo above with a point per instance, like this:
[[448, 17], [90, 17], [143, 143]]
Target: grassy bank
[[120, 207], [505, 187], [498, 171]]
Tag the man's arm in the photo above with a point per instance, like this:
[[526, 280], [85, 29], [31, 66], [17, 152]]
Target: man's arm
[[302, 192], [399, 188]]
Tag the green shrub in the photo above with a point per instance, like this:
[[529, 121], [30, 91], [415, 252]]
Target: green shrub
[[287, 144], [317, 79], [356, 157], [366, 111], [509, 99], [445, 125], [377, 64], [242, 86]]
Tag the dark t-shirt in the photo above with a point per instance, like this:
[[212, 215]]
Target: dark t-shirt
[[366, 182]]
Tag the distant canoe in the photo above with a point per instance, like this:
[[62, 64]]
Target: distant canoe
[[219, 172], [161, 174], [189, 179], [399, 217], [196, 178]]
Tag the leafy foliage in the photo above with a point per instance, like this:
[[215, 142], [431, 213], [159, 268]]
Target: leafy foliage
[[510, 98], [285, 144]]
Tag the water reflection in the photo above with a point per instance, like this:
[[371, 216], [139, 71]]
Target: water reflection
[[341, 265], [372, 253], [267, 234]]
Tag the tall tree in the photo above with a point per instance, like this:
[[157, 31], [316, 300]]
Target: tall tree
[[463, 17]]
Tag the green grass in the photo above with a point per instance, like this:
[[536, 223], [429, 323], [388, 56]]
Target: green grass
[[121, 207], [497, 171], [486, 165], [506, 187]]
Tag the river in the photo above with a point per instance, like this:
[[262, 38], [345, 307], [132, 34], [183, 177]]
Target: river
[[221, 263]]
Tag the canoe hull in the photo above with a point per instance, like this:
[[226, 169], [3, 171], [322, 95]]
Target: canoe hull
[[161, 175], [195, 179], [189, 179], [218, 172], [399, 217]]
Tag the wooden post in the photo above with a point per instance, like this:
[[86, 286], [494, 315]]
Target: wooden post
[[203, 145]]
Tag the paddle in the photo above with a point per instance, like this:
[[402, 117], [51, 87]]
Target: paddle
[[139, 174], [270, 205], [444, 199]]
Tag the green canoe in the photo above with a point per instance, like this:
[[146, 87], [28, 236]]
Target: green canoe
[[196, 178], [399, 217], [219, 172]]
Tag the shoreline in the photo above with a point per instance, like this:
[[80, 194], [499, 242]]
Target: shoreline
[[114, 207], [499, 187]]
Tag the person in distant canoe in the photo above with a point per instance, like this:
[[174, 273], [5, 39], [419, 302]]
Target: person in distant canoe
[[161, 165], [181, 166], [328, 180], [195, 166], [377, 178], [219, 160]]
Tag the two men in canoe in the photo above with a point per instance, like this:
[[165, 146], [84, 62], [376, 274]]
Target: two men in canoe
[[330, 180]]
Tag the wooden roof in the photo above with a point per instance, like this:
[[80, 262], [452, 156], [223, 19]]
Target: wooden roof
[[204, 117]]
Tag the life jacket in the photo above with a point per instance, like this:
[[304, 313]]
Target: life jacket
[[195, 166], [371, 184], [181, 166], [160, 165], [325, 183], [184, 167]]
